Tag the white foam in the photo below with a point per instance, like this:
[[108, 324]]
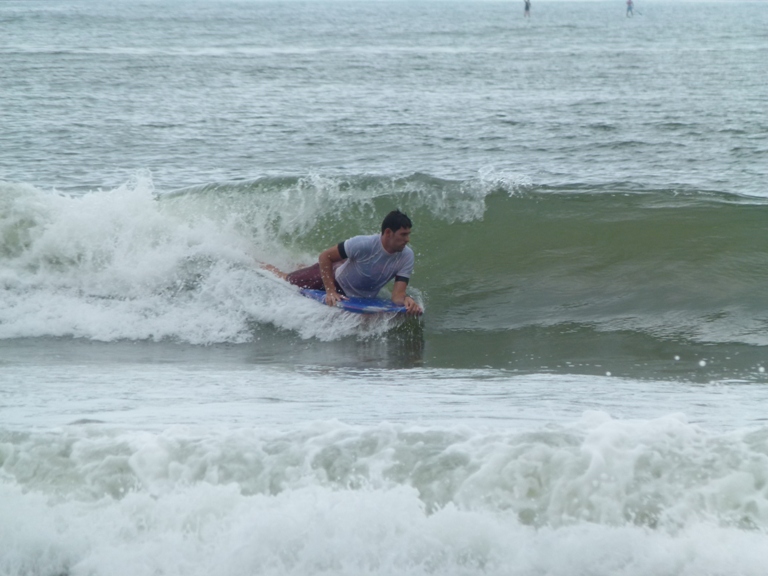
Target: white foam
[[329, 498], [123, 265]]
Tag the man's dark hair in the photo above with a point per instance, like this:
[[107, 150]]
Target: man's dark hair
[[395, 220]]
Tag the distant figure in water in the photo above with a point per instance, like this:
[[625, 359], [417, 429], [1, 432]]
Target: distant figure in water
[[527, 12], [630, 8]]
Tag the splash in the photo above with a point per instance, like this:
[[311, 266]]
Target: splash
[[124, 264]]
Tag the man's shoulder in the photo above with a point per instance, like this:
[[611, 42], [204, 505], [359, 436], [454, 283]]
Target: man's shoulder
[[363, 239]]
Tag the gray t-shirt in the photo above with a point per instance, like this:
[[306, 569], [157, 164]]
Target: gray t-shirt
[[369, 267]]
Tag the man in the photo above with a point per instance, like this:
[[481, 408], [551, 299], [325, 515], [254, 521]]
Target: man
[[527, 11], [363, 265]]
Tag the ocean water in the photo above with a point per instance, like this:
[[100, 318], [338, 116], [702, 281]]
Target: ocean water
[[586, 393]]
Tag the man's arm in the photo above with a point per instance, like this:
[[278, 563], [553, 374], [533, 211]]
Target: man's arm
[[399, 297], [326, 259]]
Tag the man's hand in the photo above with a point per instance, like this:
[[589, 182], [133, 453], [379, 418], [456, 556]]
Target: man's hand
[[399, 297], [411, 307], [333, 298]]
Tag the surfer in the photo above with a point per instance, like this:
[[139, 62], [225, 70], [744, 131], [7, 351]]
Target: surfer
[[362, 265], [630, 8], [527, 12]]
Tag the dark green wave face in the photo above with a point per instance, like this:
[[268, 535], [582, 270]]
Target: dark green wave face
[[517, 276]]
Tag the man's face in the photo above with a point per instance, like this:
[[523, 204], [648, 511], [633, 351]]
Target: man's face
[[396, 241]]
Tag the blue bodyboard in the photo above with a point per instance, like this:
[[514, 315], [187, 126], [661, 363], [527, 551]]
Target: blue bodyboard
[[358, 305]]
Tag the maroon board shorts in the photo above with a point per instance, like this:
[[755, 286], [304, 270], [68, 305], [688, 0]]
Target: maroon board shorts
[[310, 278]]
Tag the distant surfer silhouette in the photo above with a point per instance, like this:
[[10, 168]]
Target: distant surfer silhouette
[[527, 12], [362, 265], [630, 8]]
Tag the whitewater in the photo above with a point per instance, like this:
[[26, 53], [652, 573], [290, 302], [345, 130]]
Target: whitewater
[[586, 391]]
